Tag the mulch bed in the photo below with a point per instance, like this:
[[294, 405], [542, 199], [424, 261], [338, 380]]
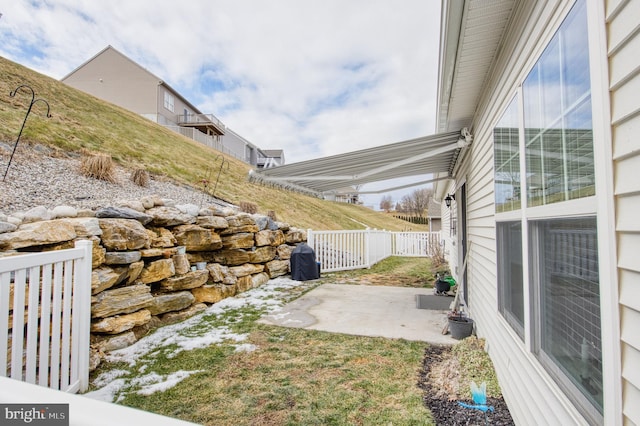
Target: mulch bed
[[446, 412]]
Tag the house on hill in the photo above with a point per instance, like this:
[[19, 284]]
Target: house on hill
[[543, 203], [115, 78]]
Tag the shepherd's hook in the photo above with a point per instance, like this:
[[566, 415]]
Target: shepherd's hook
[[33, 101], [224, 160]]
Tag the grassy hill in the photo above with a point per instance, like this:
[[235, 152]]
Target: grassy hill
[[82, 122]]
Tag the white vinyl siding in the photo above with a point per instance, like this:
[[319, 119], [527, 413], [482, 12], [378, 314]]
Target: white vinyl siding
[[624, 64], [522, 377]]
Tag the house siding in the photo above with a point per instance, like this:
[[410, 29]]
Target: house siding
[[115, 78], [624, 67], [532, 395]]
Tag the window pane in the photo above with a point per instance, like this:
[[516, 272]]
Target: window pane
[[510, 281], [557, 117], [567, 252], [506, 158]]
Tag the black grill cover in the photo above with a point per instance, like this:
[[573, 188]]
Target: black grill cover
[[303, 263]]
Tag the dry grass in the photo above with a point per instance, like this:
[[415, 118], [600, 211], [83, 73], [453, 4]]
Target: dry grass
[[467, 361], [140, 177], [248, 207], [98, 166], [80, 121]]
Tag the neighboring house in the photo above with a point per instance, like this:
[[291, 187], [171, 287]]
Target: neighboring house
[[434, 215], [250, 153], [271, 158], [545, 200], [348, 194], [113, 77]]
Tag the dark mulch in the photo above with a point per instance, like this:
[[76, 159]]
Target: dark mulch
[[447, 412]]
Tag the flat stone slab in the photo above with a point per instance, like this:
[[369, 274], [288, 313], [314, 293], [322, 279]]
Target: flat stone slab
[[375, 311]]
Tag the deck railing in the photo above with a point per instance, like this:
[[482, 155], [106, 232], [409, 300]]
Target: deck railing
[[45, 312], [191, 119]]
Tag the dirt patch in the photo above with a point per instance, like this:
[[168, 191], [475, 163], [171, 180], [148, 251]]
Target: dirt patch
[[440, 381], [396, 280]]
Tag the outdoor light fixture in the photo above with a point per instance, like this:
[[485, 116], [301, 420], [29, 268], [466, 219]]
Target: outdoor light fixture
[[448, 198]]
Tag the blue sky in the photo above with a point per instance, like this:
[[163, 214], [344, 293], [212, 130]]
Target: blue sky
[[312, 77]]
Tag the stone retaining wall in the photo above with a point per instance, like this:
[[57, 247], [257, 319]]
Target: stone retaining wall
[[156, 263]]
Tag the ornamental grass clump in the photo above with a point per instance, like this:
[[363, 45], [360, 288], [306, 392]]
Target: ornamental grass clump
[[98, 166], [248, 207], [140, 177]]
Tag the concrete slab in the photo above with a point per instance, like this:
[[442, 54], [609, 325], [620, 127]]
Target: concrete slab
[[376, 311]]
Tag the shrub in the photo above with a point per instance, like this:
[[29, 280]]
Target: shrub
[[99, 166], [140, 177]]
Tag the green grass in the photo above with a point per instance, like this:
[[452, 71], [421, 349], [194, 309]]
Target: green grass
[[397, 271], [293, 376], [297, 377]]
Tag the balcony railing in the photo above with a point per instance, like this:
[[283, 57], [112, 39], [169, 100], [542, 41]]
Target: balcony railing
[[201, 120]]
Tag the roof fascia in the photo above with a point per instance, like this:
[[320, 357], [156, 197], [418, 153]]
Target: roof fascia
[[451, 18]]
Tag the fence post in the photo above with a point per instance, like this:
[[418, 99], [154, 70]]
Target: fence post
[[82, 309], [310, 239], [367, 247]]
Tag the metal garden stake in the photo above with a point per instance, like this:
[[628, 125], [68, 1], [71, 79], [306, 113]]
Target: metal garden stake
[[33, 101]]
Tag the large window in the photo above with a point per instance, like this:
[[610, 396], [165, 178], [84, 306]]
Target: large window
[[559, 283], [567, 286], [557, 115]]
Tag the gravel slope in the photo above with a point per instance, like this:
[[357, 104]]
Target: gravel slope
[[40, 176]]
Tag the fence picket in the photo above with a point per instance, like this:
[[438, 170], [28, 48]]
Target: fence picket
[[45, 323], [32, 318], [47, 319], [343, 250], [5, 282]]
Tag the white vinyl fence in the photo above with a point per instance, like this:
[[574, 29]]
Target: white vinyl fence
[[45, 315], [344, 250]]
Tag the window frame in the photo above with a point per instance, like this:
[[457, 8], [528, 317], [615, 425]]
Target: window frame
[[169, 101]]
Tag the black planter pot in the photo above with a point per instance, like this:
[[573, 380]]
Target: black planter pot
[[460, 327]]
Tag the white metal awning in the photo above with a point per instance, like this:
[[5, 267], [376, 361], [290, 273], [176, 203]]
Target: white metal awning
[[426, 155]]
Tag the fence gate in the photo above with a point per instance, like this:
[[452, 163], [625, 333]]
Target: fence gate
[[45, 315]]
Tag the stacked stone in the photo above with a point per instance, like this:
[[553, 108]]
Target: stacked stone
[[154, 262]]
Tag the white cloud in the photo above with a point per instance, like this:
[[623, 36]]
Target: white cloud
[[314, 78]]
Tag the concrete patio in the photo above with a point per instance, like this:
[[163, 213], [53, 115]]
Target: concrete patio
[[376, 311]]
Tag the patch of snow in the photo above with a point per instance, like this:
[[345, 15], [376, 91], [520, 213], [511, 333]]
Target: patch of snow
[[108, 392], [193, 333], [109, 376], [246, 347], [156, 383]]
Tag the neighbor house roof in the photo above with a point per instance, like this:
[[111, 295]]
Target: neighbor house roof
[[160, 81]]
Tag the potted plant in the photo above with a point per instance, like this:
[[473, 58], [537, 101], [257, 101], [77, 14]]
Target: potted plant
[[460, 325]]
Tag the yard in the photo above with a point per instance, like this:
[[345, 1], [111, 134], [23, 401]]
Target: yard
[[224, 368]]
